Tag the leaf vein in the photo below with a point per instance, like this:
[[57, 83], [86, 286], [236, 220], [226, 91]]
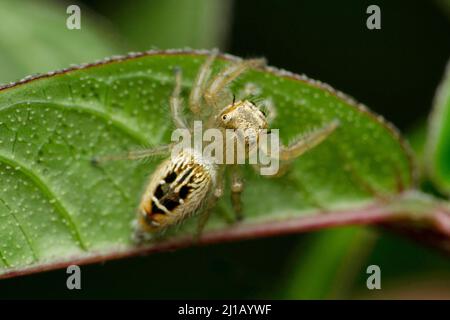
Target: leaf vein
[[114, 120], [22, 230], [60, 208]]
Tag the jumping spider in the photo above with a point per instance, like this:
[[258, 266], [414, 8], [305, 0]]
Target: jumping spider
[[189, 182]]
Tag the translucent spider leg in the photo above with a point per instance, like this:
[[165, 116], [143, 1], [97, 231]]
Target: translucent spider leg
[[308, 142], [176, 103], [210, 204], [299, 146], [269, 109], [237, 186], [227, 75], [133, 155], [203, 75]]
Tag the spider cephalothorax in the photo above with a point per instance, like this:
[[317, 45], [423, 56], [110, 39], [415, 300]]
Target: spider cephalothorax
[[242, 115], [247, 121]]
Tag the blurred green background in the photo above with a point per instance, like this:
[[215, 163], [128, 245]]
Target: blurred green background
[[394, 70]]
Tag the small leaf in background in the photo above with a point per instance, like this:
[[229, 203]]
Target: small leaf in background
[[34, 39], [445, 6], [417, 135], [408, 271], [326, 268], [56, 206], [166, 24], [438, 140]]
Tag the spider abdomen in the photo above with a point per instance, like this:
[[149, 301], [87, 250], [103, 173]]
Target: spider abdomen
[[176, 190]]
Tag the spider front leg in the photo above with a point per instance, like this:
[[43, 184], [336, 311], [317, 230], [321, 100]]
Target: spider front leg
[[226, 76], [299, 146], [307, 142], [195, 98]]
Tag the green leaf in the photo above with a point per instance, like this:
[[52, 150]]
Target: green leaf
[[56, 208], [444, 6], [438, 140], [34, 38]]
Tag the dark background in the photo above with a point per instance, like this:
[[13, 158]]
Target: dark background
[[394, 70]]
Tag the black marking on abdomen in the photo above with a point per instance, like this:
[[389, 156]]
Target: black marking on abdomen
[[155, 209], [167, 197], [184, 191], [170, 177]]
